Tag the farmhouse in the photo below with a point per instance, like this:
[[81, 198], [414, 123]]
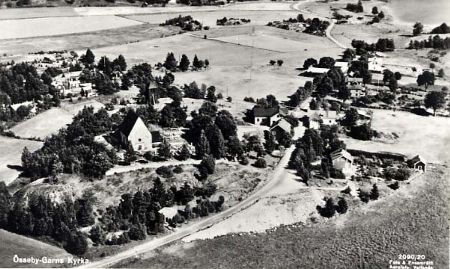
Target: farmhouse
[[343, 161], [133, 132], [281, 127], [417, 163], [265, 116]]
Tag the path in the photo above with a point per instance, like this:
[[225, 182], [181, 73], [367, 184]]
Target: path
[[296, 6], [202, 224]]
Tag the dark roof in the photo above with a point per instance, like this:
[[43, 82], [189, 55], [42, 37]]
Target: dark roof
[[128, 122], [265, 112], [416, 159]]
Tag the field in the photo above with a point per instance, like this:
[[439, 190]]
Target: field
[[11, 152], [49, 122], [13, 244], [426, 136], [413, 220], [59, 25], [235, 68]]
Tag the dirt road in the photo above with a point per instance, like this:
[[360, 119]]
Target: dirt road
[[203, 224]]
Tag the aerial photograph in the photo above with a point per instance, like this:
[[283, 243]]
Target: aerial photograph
[[309, 134]]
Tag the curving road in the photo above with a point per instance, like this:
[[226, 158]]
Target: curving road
[[200, 225], [296, 6]]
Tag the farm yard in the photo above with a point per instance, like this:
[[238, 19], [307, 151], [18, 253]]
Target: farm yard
[[11, 151]]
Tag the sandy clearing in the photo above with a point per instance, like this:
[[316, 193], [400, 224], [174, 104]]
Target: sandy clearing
[[427, 136], [11, 153], [49, 26]]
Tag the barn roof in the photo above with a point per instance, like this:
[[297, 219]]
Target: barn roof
[[128, 123], [265, 112], [283, 124]]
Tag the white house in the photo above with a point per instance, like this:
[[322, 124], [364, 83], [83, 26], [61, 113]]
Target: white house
[[265, 116], [317, 70], [134, 132], [343, 161]]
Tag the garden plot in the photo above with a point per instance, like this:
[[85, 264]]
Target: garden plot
[[10, 155], [49, 26]]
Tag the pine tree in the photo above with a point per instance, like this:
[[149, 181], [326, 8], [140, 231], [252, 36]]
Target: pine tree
[[216, 142], [269, 144], [184, 63], [170, 63], [202, 147], [184, 153], [89, 57], [374, 193], [196, 62]]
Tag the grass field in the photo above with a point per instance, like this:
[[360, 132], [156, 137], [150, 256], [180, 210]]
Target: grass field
[[11, 152], [427, 136], [59, 25], [13, 244], [412, 220], [49, 122]]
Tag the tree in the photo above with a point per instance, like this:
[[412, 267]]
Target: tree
[[260, 163], [130, 155], [76, 243], [211, 94], [196, 63], [344, 93], [375, 10], [342, 206], [441, 73], [381, 15], [120, 64], [329, 210], [280, 62], [216, 142], [170, 63], [325, 168], [5, 204], [374, 193], [184, 153], [272, 62], [326, 62], [435, 100], [137, 232], [84, 212], [202, 147], [426, 78], [309, 62], [364, 196], [209, 163], [164, 151], [88, 58], [269, 144], [97, 235], [417, 29], [184, 63]]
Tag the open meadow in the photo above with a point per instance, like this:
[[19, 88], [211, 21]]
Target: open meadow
[[10, 157]]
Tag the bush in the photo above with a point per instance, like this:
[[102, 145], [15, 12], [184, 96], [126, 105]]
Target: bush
[[164, 171], [342, 206], [363, 196], [328, 210], [244, 161], [394, 185], [178, 170], [137, 232], [260, 163], [148, 156]]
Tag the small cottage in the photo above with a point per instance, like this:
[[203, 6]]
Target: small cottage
[[417, 163]]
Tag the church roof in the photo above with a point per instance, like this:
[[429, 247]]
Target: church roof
[[128, 123]]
